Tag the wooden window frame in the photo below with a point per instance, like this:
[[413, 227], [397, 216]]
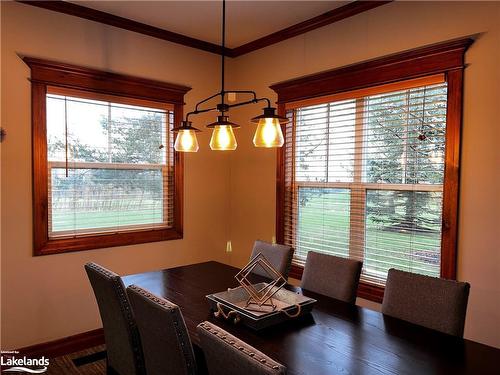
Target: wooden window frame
[[443, 58], [164, 168], [49, 74]]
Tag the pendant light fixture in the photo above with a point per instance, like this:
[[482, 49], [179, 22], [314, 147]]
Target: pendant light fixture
[[223, 138], [186, 140], [268, 132]]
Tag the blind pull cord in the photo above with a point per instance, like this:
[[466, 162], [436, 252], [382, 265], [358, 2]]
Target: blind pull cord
[[66, 135], [422, 136]]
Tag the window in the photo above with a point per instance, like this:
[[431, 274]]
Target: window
[[371, 173], [105, 171], [367, 180], [110, 165]]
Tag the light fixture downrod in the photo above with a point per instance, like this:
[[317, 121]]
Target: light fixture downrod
[[268, 133]]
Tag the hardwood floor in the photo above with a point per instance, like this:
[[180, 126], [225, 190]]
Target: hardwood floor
[[78, 363]]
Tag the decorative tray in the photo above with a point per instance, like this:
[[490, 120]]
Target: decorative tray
[[234, 304]]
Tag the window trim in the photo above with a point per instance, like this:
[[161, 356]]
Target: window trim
[[443, 58], [51, 74]]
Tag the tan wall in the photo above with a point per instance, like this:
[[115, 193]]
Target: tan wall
[[48, 297], [389, 29], [0, 193], [231, 196]]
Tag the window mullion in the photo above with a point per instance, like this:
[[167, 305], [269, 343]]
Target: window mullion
[[293, 185], [110, 159], [165, 193], [404, 162], [327, 143], [49, 196], [358, 191]]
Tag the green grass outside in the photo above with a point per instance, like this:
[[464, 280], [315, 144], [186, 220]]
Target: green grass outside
[[63, 221], [324, 227]]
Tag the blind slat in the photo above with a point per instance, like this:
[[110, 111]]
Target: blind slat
[[111, 165], [388, 151]]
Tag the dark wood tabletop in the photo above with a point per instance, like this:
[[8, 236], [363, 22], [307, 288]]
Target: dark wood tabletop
[[336, 338]]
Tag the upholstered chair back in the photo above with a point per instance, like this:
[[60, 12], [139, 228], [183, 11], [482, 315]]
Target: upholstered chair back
[[332, 276], [280, 257], [123, 346], [431, 302], [165, 340], [226, 354]]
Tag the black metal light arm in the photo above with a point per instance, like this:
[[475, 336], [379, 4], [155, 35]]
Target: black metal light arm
[[256, 100], [242, 92], [222, 94], [205, 100], [223, 106], [197, 110]]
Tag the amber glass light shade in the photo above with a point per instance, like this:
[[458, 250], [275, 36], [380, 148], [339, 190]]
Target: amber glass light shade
[[186, 141], [223, 138], [268, 133]]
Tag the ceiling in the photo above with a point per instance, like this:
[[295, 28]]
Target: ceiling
[[245, 20]]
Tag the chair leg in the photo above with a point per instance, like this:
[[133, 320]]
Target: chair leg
[[201, 363], [110, 370]]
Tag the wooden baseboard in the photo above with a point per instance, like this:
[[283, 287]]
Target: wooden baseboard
[[65, 345]]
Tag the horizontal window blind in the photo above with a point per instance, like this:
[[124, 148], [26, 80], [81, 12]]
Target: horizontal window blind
[[364, 179], [110, 166]]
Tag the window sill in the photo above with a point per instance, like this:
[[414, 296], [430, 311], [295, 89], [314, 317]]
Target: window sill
[[370, 292], [66, 245]]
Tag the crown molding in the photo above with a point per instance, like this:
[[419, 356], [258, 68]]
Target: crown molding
[[124, 23], [332, 16], [417, 62], [324, 19]]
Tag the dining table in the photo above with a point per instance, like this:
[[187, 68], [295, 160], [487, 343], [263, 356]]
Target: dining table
[[335, 338]]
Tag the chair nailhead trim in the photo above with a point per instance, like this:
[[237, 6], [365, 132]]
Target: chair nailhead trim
[[153, 298], [239, 346], [125, 308], [172, 309], [101, 270]]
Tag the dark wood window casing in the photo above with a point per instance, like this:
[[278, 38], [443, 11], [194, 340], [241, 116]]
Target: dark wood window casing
[[443, 58], [49, 75]]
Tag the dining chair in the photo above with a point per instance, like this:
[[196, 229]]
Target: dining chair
[[123, 346], [331, 276], [164, 337], [431, 302], [226, 354], [280, 257]]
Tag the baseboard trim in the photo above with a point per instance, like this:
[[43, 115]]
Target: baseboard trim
[[65, 345]]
